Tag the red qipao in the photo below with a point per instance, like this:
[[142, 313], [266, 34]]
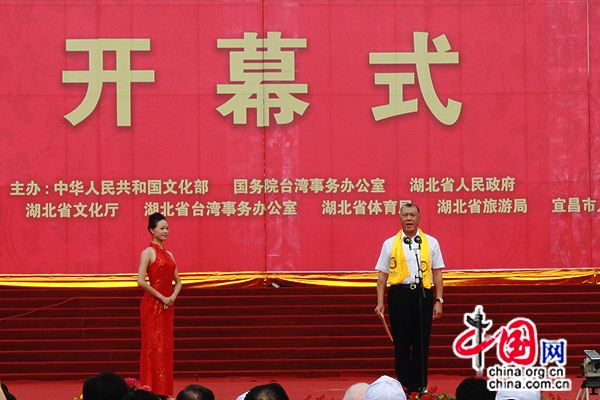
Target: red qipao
[[156, 361]]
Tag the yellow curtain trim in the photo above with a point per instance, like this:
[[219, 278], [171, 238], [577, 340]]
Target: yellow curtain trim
[[354, 279]]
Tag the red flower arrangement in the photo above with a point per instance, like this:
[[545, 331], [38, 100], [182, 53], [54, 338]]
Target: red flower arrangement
[[551, 396], [134, 385], [431, 395]]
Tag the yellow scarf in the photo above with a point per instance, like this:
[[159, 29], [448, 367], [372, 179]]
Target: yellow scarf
[[398, 266]]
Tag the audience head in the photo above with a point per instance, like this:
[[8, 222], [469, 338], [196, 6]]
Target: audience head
[[518, 395], [385, 388], [105, 386], [474, 389], [272, 391], [141, 394], [196, 392], [356, 391]]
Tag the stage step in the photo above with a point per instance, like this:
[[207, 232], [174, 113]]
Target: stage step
[[74, 333]]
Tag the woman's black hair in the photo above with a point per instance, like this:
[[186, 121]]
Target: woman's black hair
[[154, 219]]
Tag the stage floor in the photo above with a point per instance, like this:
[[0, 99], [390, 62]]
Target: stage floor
[[229, 388]]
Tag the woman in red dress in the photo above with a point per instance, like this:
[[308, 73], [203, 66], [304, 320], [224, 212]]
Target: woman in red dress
[[156, 310]]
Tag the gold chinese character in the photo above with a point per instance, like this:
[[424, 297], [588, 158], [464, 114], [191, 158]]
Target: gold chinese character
[[254, 67], [422, 59], [123, 76]]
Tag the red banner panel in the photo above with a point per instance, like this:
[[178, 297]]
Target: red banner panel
[[284, 136]]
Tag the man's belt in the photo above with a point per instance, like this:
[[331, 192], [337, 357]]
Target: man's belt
[[411, 286]]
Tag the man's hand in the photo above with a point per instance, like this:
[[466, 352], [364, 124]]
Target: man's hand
[[437, 310]]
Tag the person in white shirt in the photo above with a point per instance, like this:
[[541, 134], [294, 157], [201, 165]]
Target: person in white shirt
[[411, 262]]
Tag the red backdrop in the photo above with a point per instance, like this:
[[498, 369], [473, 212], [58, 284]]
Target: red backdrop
[[524, 145]]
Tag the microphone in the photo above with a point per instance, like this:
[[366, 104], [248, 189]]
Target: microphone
[[409, 242], [417, 249]]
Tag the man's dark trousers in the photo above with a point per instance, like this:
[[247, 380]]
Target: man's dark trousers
[[405, 321]]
